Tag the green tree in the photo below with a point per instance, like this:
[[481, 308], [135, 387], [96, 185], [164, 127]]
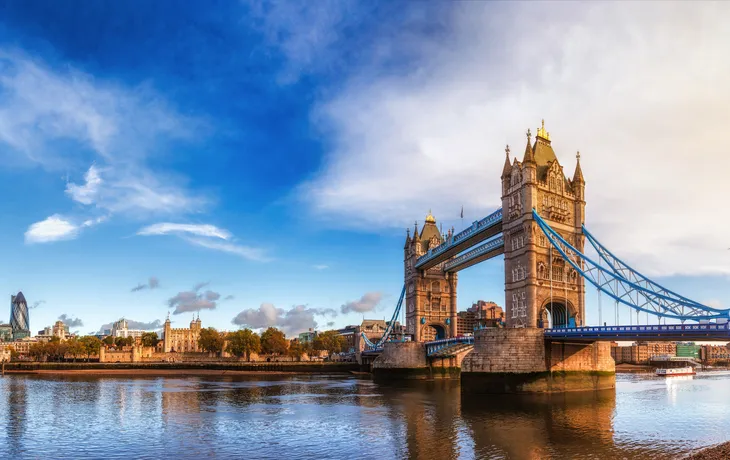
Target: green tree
[[211, 340], [74, 348], [150, 339], [108, 340], [124, 341], [296, 350], [330, 341], [243, 342], [91, 344], [274, 342]]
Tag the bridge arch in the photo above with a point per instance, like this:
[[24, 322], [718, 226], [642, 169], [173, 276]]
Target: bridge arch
[[434, 331], [558, 312]]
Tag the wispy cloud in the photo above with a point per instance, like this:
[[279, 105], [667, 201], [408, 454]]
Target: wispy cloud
[[121, 127], [320, 267], [153, 283], [206, 236], [479, 85], [166, 228]]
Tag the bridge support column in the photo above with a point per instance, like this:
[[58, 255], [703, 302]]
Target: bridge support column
[[520, 360], [402, 360]]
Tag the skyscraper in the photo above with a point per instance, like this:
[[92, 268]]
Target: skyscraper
[[19, 318]]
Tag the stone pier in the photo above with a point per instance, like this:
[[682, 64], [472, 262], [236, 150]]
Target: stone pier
[[520, 360]]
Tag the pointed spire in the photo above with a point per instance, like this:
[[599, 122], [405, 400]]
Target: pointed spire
[[416, 238], [578, 175], [507, 170], [408, 238], [529, 153]]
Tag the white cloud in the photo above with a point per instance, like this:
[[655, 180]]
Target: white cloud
[[86, 193], [166, 228], [54, 228], [247, 252], [640, 89], [207, 236], [63, 119], [320, 267]]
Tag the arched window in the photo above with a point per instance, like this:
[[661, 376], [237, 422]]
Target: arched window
[[435, 287], [541, 271]]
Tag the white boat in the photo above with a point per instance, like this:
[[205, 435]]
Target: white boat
[[675, 371]]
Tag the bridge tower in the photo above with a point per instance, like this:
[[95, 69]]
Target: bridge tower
[[430, 294], [541, 290]]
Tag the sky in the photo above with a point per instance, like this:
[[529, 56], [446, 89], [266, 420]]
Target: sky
[[257, 163]]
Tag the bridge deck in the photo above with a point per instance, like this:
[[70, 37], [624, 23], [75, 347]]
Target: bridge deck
[[670, 332], [478, 232]]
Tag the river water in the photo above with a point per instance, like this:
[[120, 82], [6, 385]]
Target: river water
[[349, 418]]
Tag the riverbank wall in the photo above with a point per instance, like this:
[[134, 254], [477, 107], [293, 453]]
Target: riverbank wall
[[181, 368]]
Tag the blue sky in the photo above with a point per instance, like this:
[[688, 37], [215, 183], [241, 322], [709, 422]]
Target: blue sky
[[277, 151]]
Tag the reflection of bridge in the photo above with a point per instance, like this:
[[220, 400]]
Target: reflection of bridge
[[540, 231]]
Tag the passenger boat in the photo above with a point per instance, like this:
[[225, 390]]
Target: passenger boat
[[675, 371]]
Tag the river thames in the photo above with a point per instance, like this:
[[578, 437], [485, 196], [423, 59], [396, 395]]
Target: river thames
[[344, 417]]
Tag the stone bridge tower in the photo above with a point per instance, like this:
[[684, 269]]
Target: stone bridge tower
[[430, 299], [540, 288]]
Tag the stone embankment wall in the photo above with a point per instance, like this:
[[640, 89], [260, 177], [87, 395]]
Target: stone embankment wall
[[520, 360], [313, 367]]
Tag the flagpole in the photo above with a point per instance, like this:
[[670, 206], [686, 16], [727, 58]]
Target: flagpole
[[462, 218]]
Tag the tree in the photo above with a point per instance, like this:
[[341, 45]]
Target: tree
[[211, 340], [330, 341], [124, 341], [38, 351], [13, 353], [108, 340], [91, 344], [243, 342], [74, 348], [150, 339], [296, 350], [273, 341]]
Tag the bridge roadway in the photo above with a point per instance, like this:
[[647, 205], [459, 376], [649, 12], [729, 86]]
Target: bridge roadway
[[479, 231], [441, 348], [668, 332]]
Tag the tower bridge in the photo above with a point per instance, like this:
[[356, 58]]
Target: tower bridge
[[540, 229]]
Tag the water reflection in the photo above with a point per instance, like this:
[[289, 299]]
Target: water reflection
[[320, 417]]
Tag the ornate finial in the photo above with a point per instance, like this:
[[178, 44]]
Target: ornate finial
[[430, 218], [529, 135], [506, 150], [541, 133], [577, 155]]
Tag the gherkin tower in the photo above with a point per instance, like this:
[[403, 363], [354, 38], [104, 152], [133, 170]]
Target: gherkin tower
[[19, 318]]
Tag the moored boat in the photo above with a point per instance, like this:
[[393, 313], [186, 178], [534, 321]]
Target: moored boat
[[675, 371]]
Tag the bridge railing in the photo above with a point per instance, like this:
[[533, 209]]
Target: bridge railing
[[630, 331], [476, 252], [438, 345], [476, 227]]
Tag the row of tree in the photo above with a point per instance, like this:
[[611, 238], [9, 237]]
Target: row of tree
[[272, 341], [55, 350]]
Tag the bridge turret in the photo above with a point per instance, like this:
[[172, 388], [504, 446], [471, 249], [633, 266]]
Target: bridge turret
[[408, 239], [539, 287]]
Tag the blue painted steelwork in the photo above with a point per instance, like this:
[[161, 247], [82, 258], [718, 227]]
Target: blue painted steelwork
[[370, 345], [610, 282], [476, 227], [439, 345], [625, 271], [478, 251], [658, 332]]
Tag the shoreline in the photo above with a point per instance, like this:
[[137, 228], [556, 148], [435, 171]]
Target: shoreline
[[180, 369], [717, 452]]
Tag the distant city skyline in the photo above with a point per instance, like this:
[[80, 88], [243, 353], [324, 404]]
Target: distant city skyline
[[260, 164]]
